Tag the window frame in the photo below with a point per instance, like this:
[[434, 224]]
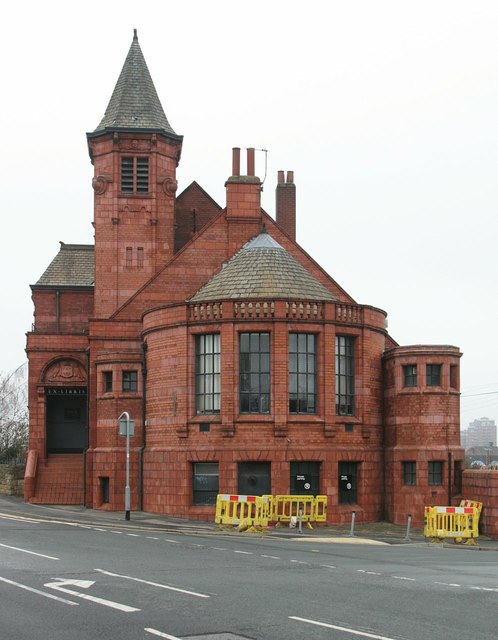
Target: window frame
[[254, 373], [309, 468], [345, 375], [303, 373], [135, 175], [207, 374], [431, 379], [410, 373], [349, 468], [107, 381], [409, 471], [202, 497], [129, 380], [435, 473]]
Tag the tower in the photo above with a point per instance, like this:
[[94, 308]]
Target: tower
[[135, 153]]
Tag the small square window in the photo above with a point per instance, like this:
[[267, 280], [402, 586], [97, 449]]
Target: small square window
[[410, 375], [130, 379], [409, 473], [435, 477], [433, 375], [107, 381]]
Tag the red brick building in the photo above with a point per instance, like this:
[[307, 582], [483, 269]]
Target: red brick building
[[245, 367]]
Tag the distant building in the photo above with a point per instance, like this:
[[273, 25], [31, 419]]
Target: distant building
[[244, 365], [480, 433]]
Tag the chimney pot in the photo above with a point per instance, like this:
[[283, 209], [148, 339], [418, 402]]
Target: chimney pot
[[250, 162], [236, 161], [286, 203]]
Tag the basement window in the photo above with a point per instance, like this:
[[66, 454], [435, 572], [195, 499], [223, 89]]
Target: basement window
[[205, 477]]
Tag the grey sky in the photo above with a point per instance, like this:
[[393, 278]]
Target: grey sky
[[386, 112]]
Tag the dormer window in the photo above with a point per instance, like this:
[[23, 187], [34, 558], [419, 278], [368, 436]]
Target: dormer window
[[135, 175]]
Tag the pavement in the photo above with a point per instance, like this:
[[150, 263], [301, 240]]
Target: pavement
[[373, 533]]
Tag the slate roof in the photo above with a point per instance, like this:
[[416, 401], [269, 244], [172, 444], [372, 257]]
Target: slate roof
[[263, 269], [134, 103], [73, 266]]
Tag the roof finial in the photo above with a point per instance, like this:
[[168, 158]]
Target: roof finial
[[263, 228], [135, 36]]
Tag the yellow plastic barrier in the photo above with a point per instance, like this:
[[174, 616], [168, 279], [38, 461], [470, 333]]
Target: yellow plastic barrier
[[308, 508], [457, 523], [472, 503], [242, 510], [321, 509], [257, 511]]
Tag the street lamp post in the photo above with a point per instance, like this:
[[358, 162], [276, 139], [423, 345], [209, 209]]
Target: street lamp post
[[124, 418]]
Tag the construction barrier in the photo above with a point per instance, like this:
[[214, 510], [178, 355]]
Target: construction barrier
[[247, 512], [292, 509], [458, 523], [243, 511]]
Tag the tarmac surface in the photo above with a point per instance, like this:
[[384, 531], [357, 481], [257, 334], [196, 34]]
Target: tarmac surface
[[373, 533]]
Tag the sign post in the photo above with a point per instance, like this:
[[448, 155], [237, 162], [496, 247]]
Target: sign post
[[127, 428]]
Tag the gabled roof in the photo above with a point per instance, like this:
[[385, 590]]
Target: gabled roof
[[263, 269], [134, 104], [73, 266]]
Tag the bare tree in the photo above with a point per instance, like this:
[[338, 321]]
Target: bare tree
[[14, 422]]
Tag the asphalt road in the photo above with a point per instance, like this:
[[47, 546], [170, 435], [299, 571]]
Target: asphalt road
[[75, 580]]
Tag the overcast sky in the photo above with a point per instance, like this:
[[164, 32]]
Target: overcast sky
[[386, 112]]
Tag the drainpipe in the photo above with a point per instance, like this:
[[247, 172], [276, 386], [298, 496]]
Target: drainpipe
[[144, 421], [449, 478], [87, 422]]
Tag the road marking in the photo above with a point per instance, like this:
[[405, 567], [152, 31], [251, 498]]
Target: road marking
[[299, 561], [404, 578], [345, 629], [40, 593], [133, 535], [448, 584], [155, 632], [271, 557], [246, 553], [219, 549], [153, 584], [9, 516], [173, 541], [33, 553], [152, 538], [85, 584], [97, 529], [118, 532], [328, 566], [484, 588]]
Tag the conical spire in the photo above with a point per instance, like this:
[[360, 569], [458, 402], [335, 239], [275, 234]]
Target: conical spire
[[134, 104], [263, 269]]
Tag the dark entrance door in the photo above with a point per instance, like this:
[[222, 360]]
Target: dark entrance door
[[66, 420], [254, 478]]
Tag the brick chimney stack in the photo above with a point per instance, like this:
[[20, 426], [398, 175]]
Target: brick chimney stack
[[285, 196], [243, 192]]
